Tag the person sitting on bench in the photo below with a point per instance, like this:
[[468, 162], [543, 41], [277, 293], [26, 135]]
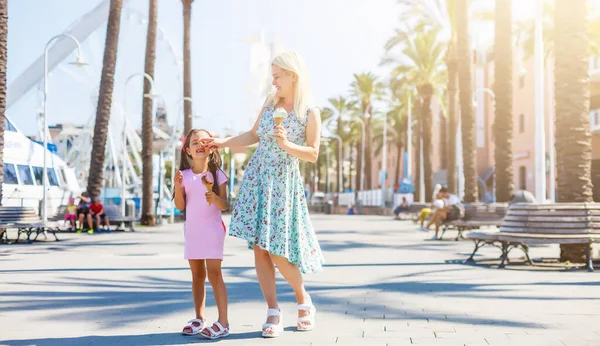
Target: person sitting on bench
[[402, 208], [97, 210], [449, 211]]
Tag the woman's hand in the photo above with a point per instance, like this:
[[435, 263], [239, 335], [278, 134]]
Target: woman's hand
[[280, 135], [213, 143]]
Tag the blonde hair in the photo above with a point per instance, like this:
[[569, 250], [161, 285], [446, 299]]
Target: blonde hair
[[292, 62]]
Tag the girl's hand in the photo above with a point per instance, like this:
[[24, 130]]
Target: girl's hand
[[280, 135], [213, 143], [211, 198], [179, 180]]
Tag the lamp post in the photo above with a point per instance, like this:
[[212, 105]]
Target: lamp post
[[174, 141], [79, 63], [475, 105], [124, 158], [362, 152]]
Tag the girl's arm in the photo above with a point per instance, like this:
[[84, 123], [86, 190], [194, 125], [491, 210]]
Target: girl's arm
[[310, 152], [179, 198]]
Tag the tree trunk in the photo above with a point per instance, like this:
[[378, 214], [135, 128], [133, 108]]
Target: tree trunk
[[417, 153], [358, 165], [103, 108], [3, 59], [503, 123], [399, 148], [426, 92], [573, 139], [187, 65], [452, 63], [443, 145], [148, 217], [463, 46]]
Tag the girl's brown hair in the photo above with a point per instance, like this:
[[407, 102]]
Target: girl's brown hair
[[214, 159]]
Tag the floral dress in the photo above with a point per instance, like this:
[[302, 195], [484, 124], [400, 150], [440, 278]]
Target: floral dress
[[270, 210]]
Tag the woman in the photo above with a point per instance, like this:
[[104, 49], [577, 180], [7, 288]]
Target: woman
[[270, 211]]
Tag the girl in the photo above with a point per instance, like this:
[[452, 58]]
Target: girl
[[270, 211], [204, 230], [71, 213]]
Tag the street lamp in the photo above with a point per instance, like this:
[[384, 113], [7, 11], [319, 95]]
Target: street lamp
[[79, 63], [475, 105], [124, 159], [174, 141]]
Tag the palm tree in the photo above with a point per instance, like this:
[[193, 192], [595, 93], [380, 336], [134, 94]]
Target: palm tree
[[442, 13], [365, 89], [148, 217], [573, 138], [342, 106], [187, 65], [105, 98], [421, 63], [3, 58], [463, 48], [503, 88]]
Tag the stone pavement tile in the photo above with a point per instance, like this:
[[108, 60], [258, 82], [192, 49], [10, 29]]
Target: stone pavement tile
[[349, 341], [399, 335]]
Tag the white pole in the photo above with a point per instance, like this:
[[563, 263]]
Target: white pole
[[124, 158], [552, 149], [340, 163], [384, 161], [540, 145], [421, 167], [460, 174], [409, 140], [45, 129]]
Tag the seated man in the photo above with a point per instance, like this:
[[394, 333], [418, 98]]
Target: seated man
[[97, 210], [451, 210], [83, 212]]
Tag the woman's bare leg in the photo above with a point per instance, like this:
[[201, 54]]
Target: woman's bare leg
[[265, 272], [293, 276]]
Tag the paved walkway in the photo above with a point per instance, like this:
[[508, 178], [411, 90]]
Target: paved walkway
[[383, 285]]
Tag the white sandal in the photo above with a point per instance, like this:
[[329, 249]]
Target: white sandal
[[310, 319], [276, 329], [223, 332], [195, 329]]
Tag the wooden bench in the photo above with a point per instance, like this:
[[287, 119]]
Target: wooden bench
[[561, 223], [24, 220], [477, 216]]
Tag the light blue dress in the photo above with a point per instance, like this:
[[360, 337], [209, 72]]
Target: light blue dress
[[271, 210]]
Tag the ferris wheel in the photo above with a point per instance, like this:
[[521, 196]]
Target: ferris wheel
[[76, 90]]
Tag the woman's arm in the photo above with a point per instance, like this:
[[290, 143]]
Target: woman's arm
[[246, 139], [310, 152]]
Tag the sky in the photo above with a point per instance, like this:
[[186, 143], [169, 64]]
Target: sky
[[336, 38]]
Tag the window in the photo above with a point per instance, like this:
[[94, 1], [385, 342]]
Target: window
[[523, 178], [521, 81], [596, 121], [25, 174], [52, 179], [521, 123], [63, 175], [10, 174], [8, 126], [38, 173]]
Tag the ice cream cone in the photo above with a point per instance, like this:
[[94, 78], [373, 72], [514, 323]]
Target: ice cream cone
[[209, 185], [279, 115]]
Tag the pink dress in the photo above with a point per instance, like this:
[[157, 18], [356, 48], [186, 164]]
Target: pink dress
[[204, 230]]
